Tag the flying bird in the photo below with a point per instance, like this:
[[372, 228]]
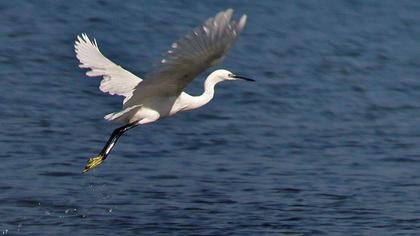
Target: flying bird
[[161, 93]]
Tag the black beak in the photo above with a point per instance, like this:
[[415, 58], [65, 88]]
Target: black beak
[[241, 77]]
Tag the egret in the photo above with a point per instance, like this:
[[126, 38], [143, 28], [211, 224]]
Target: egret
[[161, 93]]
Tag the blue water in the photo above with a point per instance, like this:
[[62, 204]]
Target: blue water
[[326, 142]]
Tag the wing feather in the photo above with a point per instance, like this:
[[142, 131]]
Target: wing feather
[[205, 46], [116, 80]]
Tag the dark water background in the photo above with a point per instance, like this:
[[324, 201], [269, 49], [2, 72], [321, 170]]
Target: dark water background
[[325, 143]]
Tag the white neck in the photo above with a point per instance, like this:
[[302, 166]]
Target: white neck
[[207, 96]]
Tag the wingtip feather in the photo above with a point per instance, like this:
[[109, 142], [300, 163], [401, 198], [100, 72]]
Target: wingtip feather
[[241, 23], [228, 13]]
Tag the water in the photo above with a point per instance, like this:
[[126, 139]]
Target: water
[[325, 143]]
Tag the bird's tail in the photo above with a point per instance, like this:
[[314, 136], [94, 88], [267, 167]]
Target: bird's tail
[[124, 115]]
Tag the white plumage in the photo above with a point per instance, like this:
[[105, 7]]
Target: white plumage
[[116, 80], [161, 93], [205, 46]]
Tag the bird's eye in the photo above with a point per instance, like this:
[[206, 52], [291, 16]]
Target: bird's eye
[[230, 75]]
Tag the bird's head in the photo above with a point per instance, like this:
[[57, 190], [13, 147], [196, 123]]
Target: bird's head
[[227, 75]]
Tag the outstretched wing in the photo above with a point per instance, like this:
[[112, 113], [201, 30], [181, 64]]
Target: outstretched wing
[[115, 80], [205, 46]]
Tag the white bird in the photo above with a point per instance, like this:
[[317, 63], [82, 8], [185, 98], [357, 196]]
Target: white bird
[[161, 93]]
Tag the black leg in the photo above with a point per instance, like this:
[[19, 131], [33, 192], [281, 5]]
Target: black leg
[[116, 134]]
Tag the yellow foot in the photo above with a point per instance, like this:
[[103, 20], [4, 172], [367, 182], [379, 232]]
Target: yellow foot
[[93, 163]]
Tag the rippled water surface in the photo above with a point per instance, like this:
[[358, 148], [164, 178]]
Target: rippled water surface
[[326, 142]]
